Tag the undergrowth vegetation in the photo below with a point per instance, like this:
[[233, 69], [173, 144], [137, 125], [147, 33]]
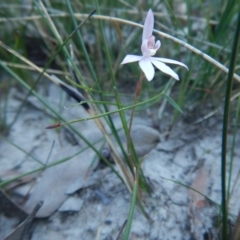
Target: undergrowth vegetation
[[71, 45]]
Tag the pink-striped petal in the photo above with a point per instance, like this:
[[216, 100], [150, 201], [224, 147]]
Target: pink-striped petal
[[147, 67], [166, 60], [164, 68], [148, 25], [131, 58]]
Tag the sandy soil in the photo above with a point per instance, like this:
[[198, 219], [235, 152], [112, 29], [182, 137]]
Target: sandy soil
[[95, 207]]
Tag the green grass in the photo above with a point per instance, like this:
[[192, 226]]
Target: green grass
[[201, 37]]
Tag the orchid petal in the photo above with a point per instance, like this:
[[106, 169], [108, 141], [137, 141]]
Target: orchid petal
[[166, 60], [147, 67], [148, 26], [131, 58], [164, 68], [157, 45]]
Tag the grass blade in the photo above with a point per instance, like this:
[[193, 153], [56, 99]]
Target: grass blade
[[225, 127], [132, 207]]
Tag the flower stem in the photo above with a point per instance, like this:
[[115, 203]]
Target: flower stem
[[137, 93]]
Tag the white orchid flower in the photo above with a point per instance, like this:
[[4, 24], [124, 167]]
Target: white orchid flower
[[149, 49]]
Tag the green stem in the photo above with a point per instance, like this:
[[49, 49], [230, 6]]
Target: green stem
[[79, 35], [225, 127], [233, 148], [118, 110], [132, 207]]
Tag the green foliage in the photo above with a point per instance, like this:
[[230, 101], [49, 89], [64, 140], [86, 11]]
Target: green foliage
[[99, 45]]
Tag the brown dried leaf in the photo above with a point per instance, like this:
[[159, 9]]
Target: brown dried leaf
[[199, 210], [200, 183]]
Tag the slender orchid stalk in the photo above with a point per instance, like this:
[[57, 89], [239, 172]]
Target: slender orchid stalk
[[149, 49]]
